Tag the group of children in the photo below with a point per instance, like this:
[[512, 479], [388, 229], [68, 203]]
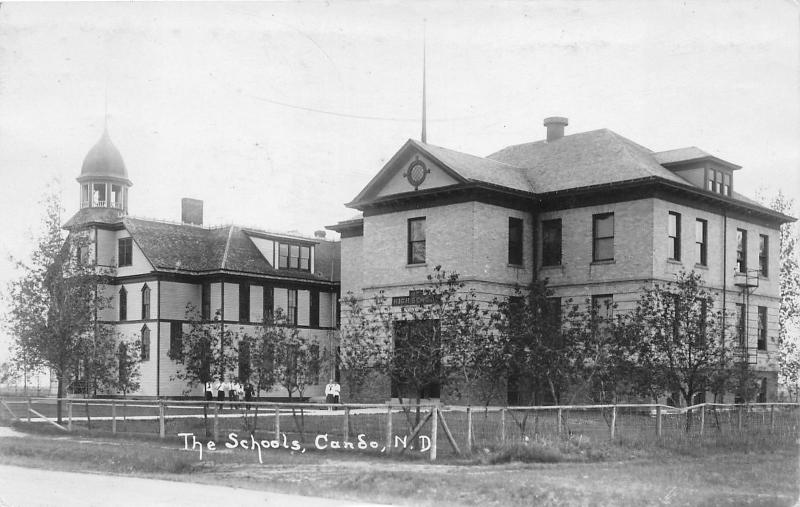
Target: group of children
[[232, 391], [235, 391]]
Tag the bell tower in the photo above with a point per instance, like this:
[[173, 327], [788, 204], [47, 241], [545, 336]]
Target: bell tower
[[104, 179]]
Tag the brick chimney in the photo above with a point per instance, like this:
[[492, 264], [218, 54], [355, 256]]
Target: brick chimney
[[555, 127], [192, 211]]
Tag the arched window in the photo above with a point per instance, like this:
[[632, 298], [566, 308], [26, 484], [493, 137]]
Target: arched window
[[145, 343], [145, 302], [123, 304]]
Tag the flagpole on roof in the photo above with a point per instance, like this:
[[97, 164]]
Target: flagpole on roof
[[424, 42]]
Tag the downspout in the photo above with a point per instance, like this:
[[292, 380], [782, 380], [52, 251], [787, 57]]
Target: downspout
[[222, 331], [724, 273], [158, 338]]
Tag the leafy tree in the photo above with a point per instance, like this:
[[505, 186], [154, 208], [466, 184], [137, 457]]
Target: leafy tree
[[365, 334], [535, 348], [599, 364], [440, 339], [789, 317], [552, 354], [99, 361], [54, 303], [206, 351], [474, 351], [284, 356], [295, 356], [675, 339], [128, 357]]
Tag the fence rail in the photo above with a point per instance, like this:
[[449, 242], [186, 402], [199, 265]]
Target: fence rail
[[400, 428]]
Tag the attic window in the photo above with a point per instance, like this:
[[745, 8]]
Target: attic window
[[294, 257], [719, 182]]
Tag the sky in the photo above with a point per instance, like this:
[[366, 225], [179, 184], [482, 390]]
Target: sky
[[276, 114]]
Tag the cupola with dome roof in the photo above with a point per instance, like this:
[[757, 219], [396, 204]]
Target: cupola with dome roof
[[104, 178]]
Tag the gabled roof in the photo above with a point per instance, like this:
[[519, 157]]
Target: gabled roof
[[462, 167], [478, 169], [582, 160], [184, 248]]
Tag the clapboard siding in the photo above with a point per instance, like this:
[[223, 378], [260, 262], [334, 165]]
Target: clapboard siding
[[175, 297]]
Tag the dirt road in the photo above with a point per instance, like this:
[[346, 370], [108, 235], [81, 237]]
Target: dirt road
[[30, 487]]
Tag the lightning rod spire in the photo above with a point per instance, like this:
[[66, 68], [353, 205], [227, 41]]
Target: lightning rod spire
[[424, 97]]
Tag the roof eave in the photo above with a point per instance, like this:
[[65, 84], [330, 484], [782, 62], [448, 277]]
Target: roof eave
[[711, 158]]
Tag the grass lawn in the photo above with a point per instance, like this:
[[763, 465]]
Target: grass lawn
[[622, 473]]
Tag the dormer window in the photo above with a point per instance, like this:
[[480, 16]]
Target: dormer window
[[294, 257], [718, 181]]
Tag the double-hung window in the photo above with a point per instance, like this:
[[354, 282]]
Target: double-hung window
[[762, 328], [763, 255], [741, 251], [515, 241], [603, 237], [125, 252], [701, 241], [416, 240], [551, 242], [674, 234]]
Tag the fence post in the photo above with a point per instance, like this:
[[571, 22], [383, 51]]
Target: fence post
[[114, 417], [278, 424], [772, 418], [469, 429], [434, 431], [503, 425], [702, 418], [216, 421], [658, 421], [162, 423], [346, 428], [558, 422], [30, 407], [613, 420], [69, 414], [388, 429]]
